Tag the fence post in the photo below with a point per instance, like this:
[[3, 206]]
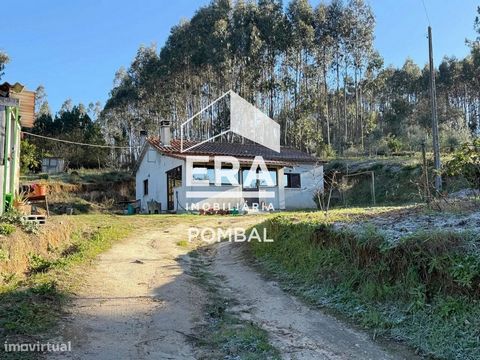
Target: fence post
[[373, 188]]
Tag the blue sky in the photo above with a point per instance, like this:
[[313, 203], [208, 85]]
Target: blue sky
[[74, 48]]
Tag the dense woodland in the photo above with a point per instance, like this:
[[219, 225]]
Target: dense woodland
[[313, 70]]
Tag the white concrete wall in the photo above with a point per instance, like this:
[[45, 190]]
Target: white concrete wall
[[223, 202], [311, 179], [154, 167], [236, 199]]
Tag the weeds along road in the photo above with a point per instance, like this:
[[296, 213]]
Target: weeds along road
[[151, 297]]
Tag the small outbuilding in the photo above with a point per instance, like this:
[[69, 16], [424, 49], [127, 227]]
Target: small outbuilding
[[53, 165]]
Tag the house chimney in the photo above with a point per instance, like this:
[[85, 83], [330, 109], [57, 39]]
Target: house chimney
[[165, 136], [143, 137]]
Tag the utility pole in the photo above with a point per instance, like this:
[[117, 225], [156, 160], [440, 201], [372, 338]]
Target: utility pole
[[433, 101]]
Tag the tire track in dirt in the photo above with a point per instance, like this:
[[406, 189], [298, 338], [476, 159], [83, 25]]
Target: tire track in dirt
[[137, 302]]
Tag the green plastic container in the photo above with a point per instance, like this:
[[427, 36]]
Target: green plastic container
[[8, 201], [130, 209]]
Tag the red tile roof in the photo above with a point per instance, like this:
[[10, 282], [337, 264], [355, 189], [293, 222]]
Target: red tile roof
[[245, 152]]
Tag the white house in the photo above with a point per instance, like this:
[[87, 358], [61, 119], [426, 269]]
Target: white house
[[162, 184]]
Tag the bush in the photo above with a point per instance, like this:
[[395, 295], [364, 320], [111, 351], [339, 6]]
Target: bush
[[394, 144], [466, 162], [13, 217], [7, 229], [29, 157], [3, 255]]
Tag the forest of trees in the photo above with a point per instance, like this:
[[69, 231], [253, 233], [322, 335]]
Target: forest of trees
[[314, 70], [76, 123]]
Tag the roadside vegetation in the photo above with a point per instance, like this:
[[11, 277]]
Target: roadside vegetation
[[39, 272], [422, 289], [398, 180]]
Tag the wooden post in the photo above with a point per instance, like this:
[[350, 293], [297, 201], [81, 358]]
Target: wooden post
[[373, 188], [433, 101], [426, 184]]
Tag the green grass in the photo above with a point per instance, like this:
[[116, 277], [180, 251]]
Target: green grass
[[397, 181], [183, 243], [98, 176], [423, 290]]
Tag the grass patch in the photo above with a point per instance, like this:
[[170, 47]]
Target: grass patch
[[183, 243], [424, 289], [397, 181], [226, 336]]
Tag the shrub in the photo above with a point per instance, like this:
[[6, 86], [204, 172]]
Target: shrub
[[394, 144], [13, 217], [29, 157], [6, 229], [3, 255], [466, 162], [39, 264]]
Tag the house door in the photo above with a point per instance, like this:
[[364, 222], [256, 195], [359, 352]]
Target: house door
[[174, 179]]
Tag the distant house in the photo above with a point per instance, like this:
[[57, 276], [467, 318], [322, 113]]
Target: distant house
[[53, 165], [161, 176], [16, 111]]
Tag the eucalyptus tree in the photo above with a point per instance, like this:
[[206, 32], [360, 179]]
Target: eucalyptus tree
[[271, 24], [361, 25], [246, 45], [324, 45], [41, 102], [335, 26], [299, 56], [316, 72], [4, 59]]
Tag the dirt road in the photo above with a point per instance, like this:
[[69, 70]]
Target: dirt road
[[138, 302]]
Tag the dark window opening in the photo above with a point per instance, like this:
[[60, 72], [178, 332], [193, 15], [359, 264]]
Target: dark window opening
[[145, 187], [174, 179], [292, 181]]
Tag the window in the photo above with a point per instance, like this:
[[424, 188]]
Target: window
[[204, 174], [151, 154], [254, 183], [292, 181], [273, 176], [225, 180], [145, 187], [208, 173]]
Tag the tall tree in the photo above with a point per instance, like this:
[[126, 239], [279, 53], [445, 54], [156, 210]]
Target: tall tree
[[4, 59]]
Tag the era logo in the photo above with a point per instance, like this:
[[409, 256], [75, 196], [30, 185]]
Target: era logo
[[258, 171]]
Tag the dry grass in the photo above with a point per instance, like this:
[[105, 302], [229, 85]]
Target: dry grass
[[19, 247]]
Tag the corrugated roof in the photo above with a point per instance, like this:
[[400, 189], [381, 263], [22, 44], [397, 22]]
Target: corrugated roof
[[244, 152]]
